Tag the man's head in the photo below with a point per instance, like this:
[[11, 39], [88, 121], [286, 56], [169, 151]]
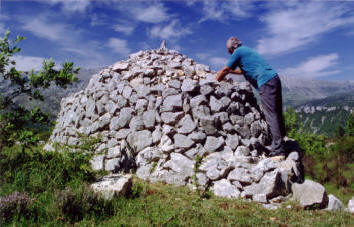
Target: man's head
[[232, 43]]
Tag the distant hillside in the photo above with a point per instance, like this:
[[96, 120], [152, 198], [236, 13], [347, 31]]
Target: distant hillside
[[54, 94], [324, 116], [297, 91]]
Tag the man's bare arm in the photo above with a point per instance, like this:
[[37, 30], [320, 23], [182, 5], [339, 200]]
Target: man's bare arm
[[226, 70], [222, 73], [236, 71]]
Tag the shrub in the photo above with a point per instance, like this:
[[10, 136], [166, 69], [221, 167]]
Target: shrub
[[34, 170], [15, 203], [325, 160], [74, 205]]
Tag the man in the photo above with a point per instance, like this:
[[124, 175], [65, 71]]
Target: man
[[263, 77]]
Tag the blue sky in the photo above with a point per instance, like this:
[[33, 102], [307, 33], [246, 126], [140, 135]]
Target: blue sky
[[312, 39]]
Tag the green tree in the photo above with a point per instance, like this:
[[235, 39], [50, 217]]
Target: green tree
[[349, 125], [340, 131], [292, 124], [15, 120]]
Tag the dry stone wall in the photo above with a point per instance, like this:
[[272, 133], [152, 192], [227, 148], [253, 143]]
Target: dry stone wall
[[166, 117]]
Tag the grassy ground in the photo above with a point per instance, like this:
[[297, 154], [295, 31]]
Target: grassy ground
[[164, 204], [160, 204]]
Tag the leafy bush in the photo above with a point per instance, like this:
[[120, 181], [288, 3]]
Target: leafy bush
[[43, 174], [325, 160], [35, 170], [349, 125], [74, 205], [15, 203]]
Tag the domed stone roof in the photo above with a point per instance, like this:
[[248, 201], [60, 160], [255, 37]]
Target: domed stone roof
[[165, 117]]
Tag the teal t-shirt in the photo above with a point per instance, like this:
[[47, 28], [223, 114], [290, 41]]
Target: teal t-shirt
[[256, 70]]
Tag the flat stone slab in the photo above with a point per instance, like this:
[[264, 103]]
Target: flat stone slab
[[113, 185]]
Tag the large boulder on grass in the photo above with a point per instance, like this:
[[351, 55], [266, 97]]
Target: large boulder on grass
[[310, 195]]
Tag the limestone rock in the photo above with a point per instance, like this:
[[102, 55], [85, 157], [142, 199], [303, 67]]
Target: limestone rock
[[188, 85], [334, 204], [310, 194], [197, 136], [232, 141], [186, 125], [224, 188], [198, 100], [351, 205], [241, 175], [170, 117], [112, 164], [139, 140], [124, 118], [213, 143], [97, 162], [113, 185], [120, 66], [136, 123], [270, 185], [180, 164], [182, 141], [148, 155], [122, 133], [215, 104], [173, 101]]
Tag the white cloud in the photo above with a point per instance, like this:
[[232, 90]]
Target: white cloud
[[212, 12], [314, 67], [119, 46], [27, 63], [43, 28], [68, 39], [172, 30], [75, 50], [223, 11], [295, 25], [123, 27], [214, 62], [97, 20], [70, 5], [156, 13]]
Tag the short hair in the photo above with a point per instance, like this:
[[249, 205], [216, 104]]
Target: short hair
[[232, 43]]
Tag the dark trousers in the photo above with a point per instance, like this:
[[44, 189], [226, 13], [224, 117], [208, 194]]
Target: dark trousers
[[271, 98]]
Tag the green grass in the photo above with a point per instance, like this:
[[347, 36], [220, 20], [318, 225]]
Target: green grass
[[342, 193], [160, 204]]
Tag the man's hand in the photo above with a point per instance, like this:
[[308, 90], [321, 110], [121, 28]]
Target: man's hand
[[222, 73]]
